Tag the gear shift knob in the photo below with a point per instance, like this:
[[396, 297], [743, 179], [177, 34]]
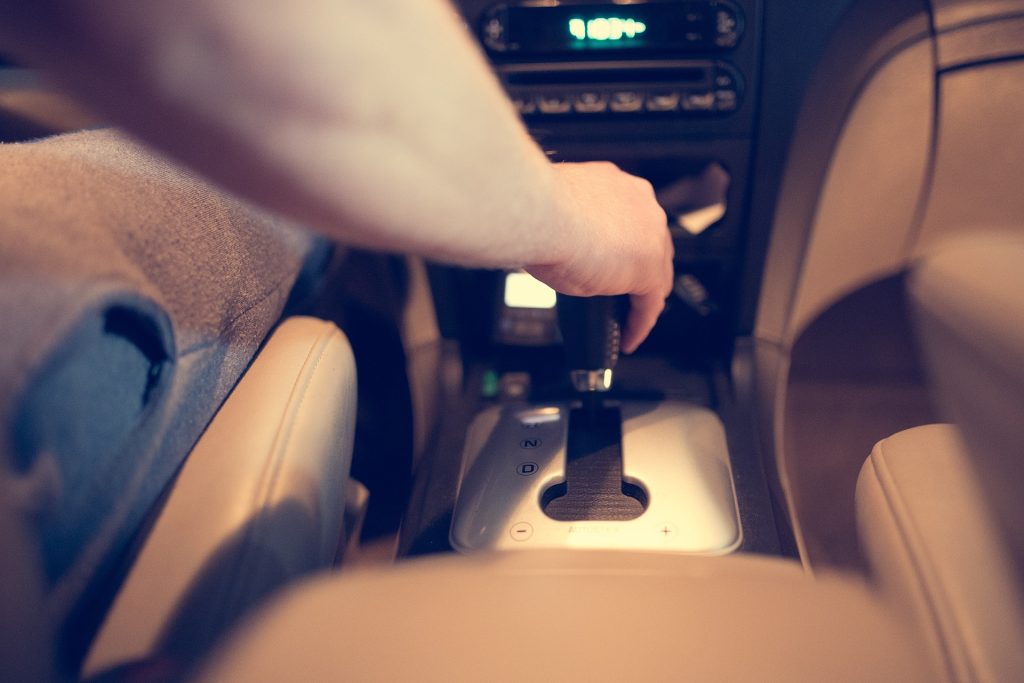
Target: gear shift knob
[[591, 332]]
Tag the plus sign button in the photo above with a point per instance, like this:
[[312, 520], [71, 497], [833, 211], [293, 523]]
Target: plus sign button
[[667, 530]]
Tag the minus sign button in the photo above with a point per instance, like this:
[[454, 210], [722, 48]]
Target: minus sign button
[[521, 531]]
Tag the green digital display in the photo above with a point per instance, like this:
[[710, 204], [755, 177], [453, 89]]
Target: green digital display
[[635, 26], [605, 29]]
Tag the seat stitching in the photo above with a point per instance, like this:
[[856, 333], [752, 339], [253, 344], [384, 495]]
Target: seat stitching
[[292, 408], [917, 555], [265, 487]]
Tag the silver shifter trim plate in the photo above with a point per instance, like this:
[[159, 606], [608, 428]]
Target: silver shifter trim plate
[[676, 451]]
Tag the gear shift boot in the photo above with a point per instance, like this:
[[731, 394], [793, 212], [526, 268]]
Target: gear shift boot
[[594, 489]]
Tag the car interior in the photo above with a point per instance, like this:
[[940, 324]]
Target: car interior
[[236, 451]]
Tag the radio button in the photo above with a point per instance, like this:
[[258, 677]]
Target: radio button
[[493, 29], [699, 101], [724, 79], [727, 27], [626, 101], [554, 103], [663, 100], [590, 102], [524, 104], [494, 32], [726, 100]]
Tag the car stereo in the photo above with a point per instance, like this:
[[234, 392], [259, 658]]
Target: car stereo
[[543, 28], [681, 87], [594, 59]]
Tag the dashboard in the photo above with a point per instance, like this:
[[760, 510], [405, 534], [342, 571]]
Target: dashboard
[[667, 90]]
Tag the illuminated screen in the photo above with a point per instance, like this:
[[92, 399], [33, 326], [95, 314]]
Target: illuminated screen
[[606, 29], [643, 26], [522, 290]]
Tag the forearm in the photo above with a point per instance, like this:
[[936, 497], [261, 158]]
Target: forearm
[[376, 122]]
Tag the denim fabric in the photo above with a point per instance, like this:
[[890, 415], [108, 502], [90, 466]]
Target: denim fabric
[[132, 297]]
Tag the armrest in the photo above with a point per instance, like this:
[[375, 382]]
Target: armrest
[[258, 502], [574, 616]]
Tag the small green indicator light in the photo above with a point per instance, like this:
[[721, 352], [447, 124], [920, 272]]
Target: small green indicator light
[[489, 384], [605, 28]]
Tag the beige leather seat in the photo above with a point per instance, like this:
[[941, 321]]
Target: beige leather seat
[[938, 554], [574, 616], [940, 515], [259, 503]]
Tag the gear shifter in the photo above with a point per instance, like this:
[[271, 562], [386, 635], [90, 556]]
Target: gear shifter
[[594, 487], [592, 333]]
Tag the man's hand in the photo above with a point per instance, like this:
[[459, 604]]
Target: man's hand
[[617, 242]]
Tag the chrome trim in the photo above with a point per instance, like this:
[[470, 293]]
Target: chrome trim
[[585, 381]]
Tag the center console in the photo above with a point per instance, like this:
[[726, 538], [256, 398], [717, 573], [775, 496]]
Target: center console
[[667, 90]]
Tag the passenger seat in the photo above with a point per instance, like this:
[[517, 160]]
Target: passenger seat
[[938, 510]]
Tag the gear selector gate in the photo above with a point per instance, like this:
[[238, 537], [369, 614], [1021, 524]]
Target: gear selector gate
[[594, 471], [593, 488]]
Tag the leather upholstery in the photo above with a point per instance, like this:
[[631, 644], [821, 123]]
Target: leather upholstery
[[258, 503], [940, 508], [574, 615], [937, 553], [970, 310]]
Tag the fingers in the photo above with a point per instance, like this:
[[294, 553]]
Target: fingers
[[618, 243], [644, 310]]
